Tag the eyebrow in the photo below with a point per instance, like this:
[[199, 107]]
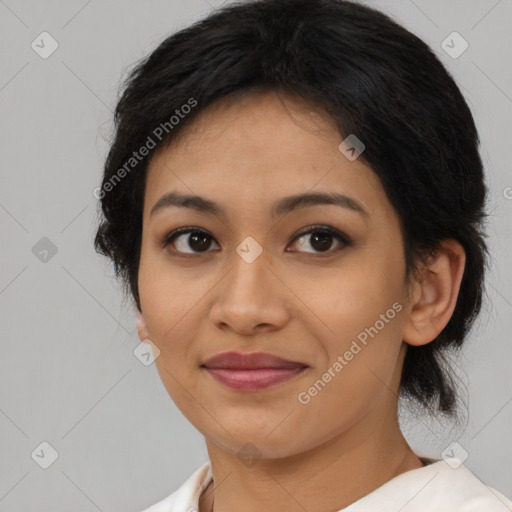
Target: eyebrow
[[281, 207]]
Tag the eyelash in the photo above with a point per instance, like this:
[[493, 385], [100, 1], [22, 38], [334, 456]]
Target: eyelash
[[336, 234]]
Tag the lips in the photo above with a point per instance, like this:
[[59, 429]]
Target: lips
[[254, 361], [251, 372]]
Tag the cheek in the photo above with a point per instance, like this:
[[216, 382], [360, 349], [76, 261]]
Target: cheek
[[163, 305], [166, 293], [353, 297], [361, 306], [173, 303]]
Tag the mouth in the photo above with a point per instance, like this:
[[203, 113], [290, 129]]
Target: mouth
[[251, 372]]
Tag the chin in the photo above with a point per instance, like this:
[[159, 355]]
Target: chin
[[250, 448]]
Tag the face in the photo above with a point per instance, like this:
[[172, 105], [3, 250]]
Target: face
[[318, 284]]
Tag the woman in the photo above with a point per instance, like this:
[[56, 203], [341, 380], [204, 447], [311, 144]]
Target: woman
[[294, 199]]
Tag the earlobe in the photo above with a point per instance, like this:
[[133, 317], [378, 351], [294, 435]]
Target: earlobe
[[142, 329], [435, 296]]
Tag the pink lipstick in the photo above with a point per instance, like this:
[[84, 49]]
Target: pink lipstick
[[251, 372]]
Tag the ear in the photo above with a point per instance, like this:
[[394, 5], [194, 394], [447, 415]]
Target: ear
[[142, 328], [433, 299]]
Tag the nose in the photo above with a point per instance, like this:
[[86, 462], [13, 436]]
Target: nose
[[251, 298]]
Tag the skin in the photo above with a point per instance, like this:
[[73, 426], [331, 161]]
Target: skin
[[293, 301]]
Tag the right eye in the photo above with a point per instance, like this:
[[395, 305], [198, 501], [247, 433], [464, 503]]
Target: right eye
[[185, 238]]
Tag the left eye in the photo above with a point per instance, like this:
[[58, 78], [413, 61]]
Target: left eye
[[321, 239]]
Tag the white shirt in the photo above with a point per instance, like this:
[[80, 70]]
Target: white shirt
[[433, 488]]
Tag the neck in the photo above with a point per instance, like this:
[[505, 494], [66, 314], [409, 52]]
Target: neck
[[329, 477]]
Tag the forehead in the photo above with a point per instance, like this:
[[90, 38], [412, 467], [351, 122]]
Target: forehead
[[246, 148]]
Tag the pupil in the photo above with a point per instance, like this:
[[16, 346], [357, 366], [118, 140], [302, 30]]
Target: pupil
[[198, 241], [323, 239]]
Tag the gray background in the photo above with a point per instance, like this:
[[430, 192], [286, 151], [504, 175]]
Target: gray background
[[68, 375]]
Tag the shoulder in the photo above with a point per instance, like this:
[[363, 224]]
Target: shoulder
[[186, 498], [440, 486], [463, 490]]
